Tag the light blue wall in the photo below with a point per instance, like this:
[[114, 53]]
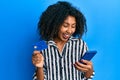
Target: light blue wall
[[18, 23]]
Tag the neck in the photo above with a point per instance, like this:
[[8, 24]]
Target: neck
[[57, 41], [59, 44]]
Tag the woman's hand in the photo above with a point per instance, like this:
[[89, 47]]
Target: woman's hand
[[37, 59], [85, 66]]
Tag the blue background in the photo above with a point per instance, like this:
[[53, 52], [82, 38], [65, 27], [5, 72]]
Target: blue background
[[18, 25]]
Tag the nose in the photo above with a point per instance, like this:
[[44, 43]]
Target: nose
[[69, 30]]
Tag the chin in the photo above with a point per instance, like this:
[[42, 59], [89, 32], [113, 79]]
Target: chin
[[65, 40]]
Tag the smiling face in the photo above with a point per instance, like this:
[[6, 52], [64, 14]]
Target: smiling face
[[67, 29]]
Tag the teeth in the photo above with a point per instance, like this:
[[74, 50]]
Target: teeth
[[66, 35]]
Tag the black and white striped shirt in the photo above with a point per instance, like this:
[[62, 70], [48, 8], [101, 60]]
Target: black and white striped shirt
[[59, 66]]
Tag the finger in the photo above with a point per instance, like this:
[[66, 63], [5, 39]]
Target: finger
[[86, 62], [36, 60], [81, 64], [36, 63], [85, 66], [36, 54], [80, 68], [36, 51]]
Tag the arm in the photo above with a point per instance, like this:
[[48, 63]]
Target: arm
[[38, 61], [40, 73]]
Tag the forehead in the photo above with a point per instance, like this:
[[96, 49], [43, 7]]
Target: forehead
[[70, 19]]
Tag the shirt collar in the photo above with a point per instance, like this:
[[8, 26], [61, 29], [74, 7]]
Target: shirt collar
[[51, 42]]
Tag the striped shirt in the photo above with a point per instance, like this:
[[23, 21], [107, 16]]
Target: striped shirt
[[59, 66]]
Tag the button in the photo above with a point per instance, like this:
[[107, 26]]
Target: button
[[61, 67], [60, 57]]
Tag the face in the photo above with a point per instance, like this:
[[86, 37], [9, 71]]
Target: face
[[67, 29]]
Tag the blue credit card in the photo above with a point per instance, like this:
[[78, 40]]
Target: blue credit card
[[41, 45], [89, 55]]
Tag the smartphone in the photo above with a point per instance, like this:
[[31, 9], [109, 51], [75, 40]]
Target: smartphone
[[88, 55]]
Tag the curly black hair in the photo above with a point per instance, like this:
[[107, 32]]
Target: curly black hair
[[53, 17]]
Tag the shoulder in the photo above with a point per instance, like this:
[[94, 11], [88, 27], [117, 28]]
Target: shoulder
[[78, 41], [75, 39]]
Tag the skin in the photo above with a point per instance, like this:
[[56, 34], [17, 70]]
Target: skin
[[66, 30], [38, 61]]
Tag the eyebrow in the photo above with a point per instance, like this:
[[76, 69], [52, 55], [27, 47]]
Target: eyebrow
[[68, 23]]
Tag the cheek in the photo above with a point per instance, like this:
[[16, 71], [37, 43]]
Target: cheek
[[74, 30], [63, 29]]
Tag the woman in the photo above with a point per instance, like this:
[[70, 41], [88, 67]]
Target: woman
[[62, 27]]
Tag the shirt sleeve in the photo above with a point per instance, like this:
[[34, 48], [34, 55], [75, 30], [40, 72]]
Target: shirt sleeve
[[34, 76], [84, 49]]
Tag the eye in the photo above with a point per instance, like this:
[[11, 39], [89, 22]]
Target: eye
[[65, 25], [73, 26]]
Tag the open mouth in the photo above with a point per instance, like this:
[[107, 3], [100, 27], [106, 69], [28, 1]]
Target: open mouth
[[66, 36]]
